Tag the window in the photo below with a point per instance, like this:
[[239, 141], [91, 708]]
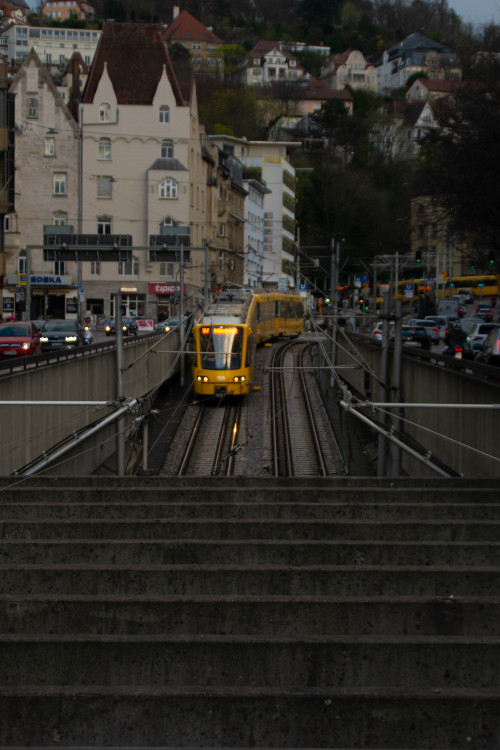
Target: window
[[168, 188], [222, 230], [164, 113], [32, 106], [50, 146], [128, 268], [220, 194], [167, 222], [9, 223], [48, 58], [104, 187], [59, 267], [21, 264], [167, 149], [166, 269], [104, 112], [95, 268], [104, 225], [104, 148], [60, 218], [60, 183]]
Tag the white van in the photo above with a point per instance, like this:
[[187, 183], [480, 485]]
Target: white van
[[466, 295]]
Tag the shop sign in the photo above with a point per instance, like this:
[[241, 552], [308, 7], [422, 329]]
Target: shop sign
[[46, 280], [162, 288]]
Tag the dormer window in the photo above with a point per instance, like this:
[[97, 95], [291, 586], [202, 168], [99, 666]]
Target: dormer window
[[292, 63], [104, 112], [164, 113]]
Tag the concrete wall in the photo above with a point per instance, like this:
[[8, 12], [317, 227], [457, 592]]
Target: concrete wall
[[443, 432], [30, 430]]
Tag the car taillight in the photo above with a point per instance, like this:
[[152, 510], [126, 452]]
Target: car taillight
[[435, 329]]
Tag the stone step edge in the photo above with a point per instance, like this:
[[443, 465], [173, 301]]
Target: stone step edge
[[377, 693], [246, 599], [254, 568], [243, 639]]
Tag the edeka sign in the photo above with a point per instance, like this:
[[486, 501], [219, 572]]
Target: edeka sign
[[161, 288]]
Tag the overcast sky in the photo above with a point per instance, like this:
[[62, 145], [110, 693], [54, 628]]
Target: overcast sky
[[477, 11]]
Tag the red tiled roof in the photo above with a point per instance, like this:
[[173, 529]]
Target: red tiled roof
[[441, 86], [186, 26], [135, 55]]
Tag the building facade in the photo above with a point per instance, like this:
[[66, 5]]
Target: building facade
[[202, 44], [416, 53], [46, 169], [269, 62], [350, 68], [61, 10], [54, 47]]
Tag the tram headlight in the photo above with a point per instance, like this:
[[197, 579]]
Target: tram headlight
[[239, 378], [202, 378]]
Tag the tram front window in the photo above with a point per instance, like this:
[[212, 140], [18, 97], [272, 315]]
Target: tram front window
[[221, 347]]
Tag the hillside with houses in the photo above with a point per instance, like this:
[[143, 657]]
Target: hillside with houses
[[128, 143]]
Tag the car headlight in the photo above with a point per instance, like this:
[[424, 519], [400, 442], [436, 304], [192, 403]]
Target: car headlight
[[71, 339], [108, 328], [43, 339], [26, 345], [124, 328]]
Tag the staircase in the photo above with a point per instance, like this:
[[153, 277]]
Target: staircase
[[336, 613]]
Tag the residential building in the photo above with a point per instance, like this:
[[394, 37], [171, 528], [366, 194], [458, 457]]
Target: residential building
[[152, 181], [61, 10], [201, 42], [73, 82], [270, 163], [7, 172], [349, 68], [13, 10], [46, 174], [300, 98], [432, 235], [401, 126], [428, 88], [54, 47], [254, 228], [414, 54], [270, 61]]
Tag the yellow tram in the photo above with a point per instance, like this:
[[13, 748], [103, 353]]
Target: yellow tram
[[226, 338]]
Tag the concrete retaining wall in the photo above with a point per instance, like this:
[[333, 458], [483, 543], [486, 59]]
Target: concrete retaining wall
[[29, 430], [443, 432]]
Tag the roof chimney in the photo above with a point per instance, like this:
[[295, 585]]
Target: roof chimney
[[176, 11]]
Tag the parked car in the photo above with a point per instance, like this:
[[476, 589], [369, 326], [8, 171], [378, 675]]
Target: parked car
[[59, 334], [484, 311], [415, 336], [19, 340], [489, 353], [429, 325], [129, 326], [478, 333]]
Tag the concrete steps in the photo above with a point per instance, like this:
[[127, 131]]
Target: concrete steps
[[210, 614]]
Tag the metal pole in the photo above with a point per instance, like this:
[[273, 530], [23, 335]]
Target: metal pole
[[396, 385], [27, 291], [207, 279], [181, 313], [120, 425], [382, 439], [333, 275], [145, 443]]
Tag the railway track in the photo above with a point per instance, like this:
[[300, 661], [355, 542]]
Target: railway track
[[211, 445], [303, 443]]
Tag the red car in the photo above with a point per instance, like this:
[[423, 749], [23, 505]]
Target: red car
[[19, 340]]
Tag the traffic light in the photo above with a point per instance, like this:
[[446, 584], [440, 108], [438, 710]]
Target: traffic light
[[491, 258], [472, 265], [366, 304], [418, 256]]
